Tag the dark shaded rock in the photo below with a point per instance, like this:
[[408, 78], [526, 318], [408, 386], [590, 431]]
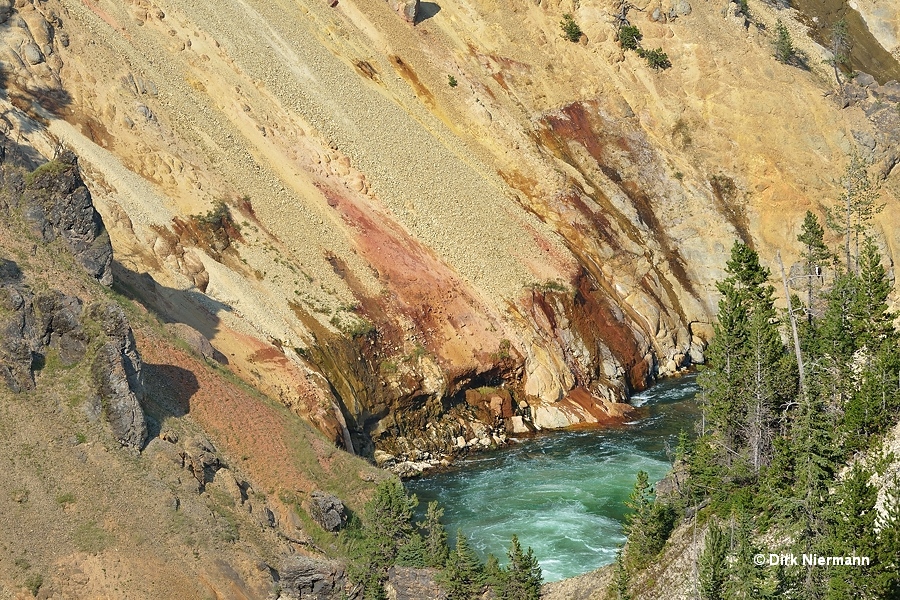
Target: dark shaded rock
[[314, 579], [56, 203], [408, 583], [327, 510], [59, 319], [117, 373], [120, 404], [9, 272]]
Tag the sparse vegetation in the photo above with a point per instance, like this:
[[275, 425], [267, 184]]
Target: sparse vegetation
[[784, 46], [451, 81], [656, 58], [47, 170], [571, 30], [34, 582], [65, 499], [629, 37], [90, 537]]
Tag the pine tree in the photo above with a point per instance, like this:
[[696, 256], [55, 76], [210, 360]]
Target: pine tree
[[784, 46], [412, 553], [722, 381], [853, 532], [856, 209], [871, 323], [494, 575], [387, 519], [887, 556], [713, 572], [815, 255], [649, 524], [621, 580], [840, 47], [748, 581], [435, 536], [523, 576], [463, 578]]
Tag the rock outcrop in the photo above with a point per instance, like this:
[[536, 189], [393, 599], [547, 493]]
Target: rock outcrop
[[117, 373], [56, 204], [407, 583], [327, 510], [303, 577]]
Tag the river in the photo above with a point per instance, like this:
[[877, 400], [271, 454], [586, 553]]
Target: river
[[563, 492]]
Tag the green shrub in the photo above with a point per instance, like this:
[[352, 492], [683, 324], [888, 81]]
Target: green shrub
[[629, 37], [571, 30], [451, 81], [656, 59]]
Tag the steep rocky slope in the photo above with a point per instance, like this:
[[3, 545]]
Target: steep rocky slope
[[134, 465], [364, 241]]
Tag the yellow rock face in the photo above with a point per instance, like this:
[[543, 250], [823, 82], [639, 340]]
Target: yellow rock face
[[554, 220]]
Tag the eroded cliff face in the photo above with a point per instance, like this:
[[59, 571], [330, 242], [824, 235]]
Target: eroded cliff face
[[369, 244]]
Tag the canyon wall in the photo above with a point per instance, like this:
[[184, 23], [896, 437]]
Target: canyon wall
[[423, 235]]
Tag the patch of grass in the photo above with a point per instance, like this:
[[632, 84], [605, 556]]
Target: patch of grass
[[47, 170], [34, 582], [550, 286], [80, 437], [65, 499], [388, 367], [681, 133], [90, 538], [502, 352]]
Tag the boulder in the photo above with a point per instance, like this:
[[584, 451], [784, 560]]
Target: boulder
[[409, 583], [311, 578], [327, 510], [408, 9], [198, 342], [201, 459]]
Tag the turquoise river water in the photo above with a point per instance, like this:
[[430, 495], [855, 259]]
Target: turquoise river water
[[563, 493]]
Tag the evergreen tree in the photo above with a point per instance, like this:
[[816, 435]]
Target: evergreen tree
[[840, 48], [649, 524], [856, 209], [853, 532], [463, 578], [523, 576], [713, 571], [620, 578], [412, 553], [815, 255], [784, 46], [886, 582], [494, 575], [436, 550], [722, 380], [871, 323], [748, 581], [387, 520]]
